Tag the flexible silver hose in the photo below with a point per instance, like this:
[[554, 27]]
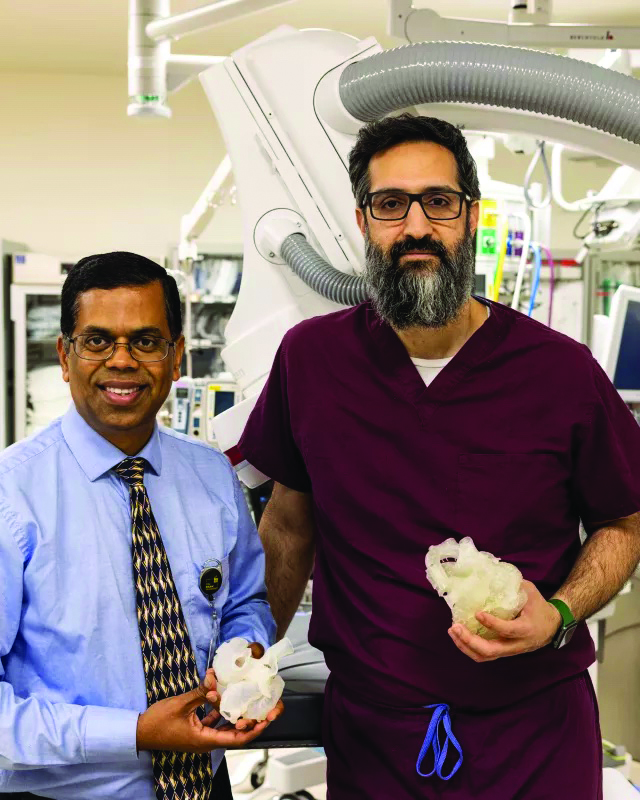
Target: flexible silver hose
[[494, 75], [317, 273]]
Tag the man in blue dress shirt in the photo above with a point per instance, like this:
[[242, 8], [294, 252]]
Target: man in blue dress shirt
[[75, 715]]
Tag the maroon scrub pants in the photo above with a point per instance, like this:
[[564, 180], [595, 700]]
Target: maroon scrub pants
[[546, 747]]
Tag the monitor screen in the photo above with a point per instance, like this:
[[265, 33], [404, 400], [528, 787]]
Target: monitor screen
[[224, 401], [180, 392], [627, 372]]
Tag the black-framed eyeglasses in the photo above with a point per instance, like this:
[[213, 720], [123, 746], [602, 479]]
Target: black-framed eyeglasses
[[96, 347], [390, 205]]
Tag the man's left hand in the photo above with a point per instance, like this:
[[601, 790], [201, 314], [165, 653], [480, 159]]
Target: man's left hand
[[535, 627]]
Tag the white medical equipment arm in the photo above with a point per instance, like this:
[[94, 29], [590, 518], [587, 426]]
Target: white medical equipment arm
[[523, 29], [153, 70], [207, 16], [195, 222], [289, 106]]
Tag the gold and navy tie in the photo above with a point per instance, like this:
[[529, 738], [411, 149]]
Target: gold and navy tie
[[169, 663]]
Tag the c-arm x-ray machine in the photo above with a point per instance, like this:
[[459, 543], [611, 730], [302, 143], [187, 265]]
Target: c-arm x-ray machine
[[289, 106]]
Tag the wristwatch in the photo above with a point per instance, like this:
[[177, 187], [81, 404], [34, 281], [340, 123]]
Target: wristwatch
[[568, 626]]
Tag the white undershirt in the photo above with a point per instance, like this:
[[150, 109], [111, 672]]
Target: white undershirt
[[430, 368]]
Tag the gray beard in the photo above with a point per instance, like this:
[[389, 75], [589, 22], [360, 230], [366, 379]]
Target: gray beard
[[422, 293]]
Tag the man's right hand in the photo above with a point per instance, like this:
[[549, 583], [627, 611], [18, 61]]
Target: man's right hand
[[172, 724]]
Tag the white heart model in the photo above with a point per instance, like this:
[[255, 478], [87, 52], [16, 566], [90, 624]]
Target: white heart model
[[248, 687], [472, 581]]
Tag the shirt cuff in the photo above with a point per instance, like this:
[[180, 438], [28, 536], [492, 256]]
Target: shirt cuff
[[110, 735]]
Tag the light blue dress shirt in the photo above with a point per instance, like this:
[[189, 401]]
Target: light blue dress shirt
[[71, 676]]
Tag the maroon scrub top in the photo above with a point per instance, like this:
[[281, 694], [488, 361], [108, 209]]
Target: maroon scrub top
[[519, 438]]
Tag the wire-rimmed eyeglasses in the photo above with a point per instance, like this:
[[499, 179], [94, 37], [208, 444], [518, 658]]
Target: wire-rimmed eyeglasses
[[96, 347], [390, 205]]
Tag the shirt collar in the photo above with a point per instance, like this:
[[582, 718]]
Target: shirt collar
[[95, 454]]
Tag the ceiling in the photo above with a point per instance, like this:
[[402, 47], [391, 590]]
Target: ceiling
[[90, 36]]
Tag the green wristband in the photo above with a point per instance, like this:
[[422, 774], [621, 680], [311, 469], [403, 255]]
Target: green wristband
[[564, 611]]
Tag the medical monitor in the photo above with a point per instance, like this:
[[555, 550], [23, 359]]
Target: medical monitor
[[221, 395], [621, 357], [224, 401]]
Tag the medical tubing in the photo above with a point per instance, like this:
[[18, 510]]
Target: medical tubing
[[552, 280], [537, 255], [539, 155], [311, 267], [494, 75], [502, 254], [515, 301]]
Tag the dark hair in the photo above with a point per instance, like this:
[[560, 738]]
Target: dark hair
[[382, 134], [111, 271]]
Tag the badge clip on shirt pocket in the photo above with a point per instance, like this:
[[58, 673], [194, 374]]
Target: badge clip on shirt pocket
[[211, 580]]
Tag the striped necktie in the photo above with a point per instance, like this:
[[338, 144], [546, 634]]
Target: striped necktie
[[169, 663]]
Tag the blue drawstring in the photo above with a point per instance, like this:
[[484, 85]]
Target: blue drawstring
[[432, 739]]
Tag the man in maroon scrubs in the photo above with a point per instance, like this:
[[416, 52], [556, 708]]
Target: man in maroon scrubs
[[421, 415]]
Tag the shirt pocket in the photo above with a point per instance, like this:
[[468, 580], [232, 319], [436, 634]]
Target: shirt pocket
[[511, 503]]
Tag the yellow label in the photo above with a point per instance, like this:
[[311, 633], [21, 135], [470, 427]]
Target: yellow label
[[488, 213]]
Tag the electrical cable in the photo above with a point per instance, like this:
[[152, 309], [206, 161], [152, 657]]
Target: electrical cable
[[536, 276], [502, 252], [541, 156], [593, 211], [515, 302], [552, 280], [575, 233]]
